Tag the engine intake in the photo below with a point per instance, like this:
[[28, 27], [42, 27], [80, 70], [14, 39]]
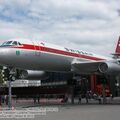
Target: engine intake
[[109, 67], [30, 74]]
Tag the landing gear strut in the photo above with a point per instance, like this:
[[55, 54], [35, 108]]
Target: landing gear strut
[[11, 77]]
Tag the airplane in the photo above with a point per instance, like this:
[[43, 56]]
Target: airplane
[[34, 56]]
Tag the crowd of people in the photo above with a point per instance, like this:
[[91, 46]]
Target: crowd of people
[[89, 95]]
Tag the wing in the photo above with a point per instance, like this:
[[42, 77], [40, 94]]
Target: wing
[[86, 67]]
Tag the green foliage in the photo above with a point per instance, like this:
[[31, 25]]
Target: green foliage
[[1, 76]]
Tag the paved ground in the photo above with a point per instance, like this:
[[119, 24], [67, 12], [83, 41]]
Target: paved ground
[[92, 111], [78, 112], [84, 112]]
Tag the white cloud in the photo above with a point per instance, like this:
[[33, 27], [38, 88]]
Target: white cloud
[[80, 24]]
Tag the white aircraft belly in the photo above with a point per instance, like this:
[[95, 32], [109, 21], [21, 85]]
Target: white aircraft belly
[[39, 61]]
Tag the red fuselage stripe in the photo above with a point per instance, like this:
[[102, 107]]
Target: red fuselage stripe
[[61, 52]]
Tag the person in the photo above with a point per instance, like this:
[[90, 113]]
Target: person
[[38, 98], [94, 96], [90, 94], [111, 97], [3, 98], [0, 100], [65, 99], [99, 99], [87, 96], [6, 99], [79, 98], [34, 99]]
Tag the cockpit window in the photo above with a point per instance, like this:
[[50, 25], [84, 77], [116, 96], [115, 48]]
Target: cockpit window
[[19, 43], [4, 43], [11, 43], [8, 43], [15, 43]]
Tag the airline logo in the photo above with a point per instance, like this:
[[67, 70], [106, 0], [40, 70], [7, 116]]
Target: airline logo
[[78, 52], [18, 52]]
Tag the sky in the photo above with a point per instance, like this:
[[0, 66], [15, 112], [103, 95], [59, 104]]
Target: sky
[[90, 25]]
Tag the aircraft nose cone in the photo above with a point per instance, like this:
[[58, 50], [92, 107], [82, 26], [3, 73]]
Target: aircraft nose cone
[[4, 51]]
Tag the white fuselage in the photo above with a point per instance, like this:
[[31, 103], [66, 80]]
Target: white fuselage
[[43, 56]]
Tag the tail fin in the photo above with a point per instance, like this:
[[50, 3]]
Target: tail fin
[[117, 51]]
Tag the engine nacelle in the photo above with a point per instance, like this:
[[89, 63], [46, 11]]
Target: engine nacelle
[[109, 67], [32, 74]]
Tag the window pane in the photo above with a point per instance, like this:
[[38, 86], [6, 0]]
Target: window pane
[[9, 42], [4, 43], [14, 43], [19, 43]]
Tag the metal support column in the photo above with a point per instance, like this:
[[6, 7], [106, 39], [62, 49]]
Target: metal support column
[[10, 95]]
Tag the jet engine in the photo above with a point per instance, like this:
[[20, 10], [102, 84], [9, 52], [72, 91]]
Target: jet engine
[[109, 67], [32, 74]]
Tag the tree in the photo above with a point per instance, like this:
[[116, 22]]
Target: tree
[[1, 76]]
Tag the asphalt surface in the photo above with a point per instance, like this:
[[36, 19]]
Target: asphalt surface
[[84, 112], [91, 111], [78, 112]]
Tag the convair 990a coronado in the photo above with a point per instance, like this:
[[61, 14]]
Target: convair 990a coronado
[[31, 55]]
